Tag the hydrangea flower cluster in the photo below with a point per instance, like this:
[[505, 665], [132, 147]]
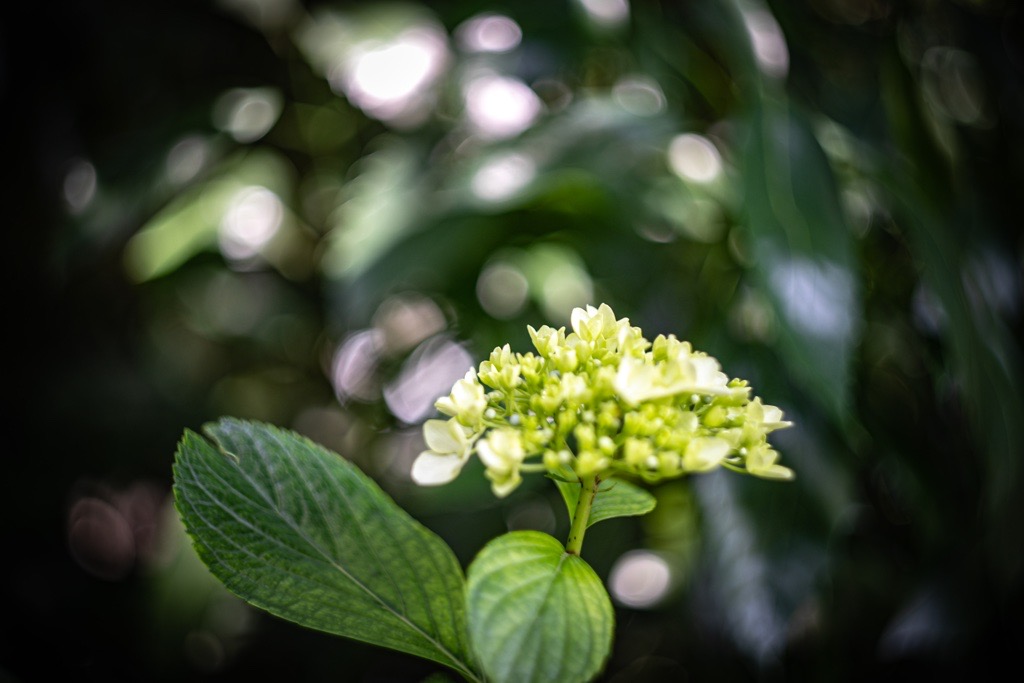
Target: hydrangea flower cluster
[[598, 402]]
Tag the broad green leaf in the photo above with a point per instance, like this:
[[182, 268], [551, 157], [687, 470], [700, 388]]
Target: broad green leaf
[[300, 532], [537, 613], [615, 498]]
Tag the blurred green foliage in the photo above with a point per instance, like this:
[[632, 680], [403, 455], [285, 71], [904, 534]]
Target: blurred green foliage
[[319, 214]]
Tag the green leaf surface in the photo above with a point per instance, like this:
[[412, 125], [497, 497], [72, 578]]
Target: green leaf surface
[[300, 532], [615, 498], [537, 613]]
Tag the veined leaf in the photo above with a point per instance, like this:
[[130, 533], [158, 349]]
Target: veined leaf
[[300, 532], [615, 498], [536, 613]]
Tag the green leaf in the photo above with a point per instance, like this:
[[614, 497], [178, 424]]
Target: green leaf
[[803, 251], [537, 613], [300, 532], [615, 498], [189, 224]]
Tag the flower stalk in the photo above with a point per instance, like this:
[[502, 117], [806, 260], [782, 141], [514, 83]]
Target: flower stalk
[[580, 519]]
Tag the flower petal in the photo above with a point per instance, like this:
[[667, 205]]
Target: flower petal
[[773, 419], [578, 319], [761, 462], [705, 453], [434, 469], [502, 486], [708, 376], [445, 436]]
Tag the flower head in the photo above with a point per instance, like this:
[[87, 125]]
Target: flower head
[[599, 401]]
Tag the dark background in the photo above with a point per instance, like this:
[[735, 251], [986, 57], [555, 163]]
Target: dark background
[[858, 258]]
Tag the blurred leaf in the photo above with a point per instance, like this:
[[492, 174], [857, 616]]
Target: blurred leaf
[[748, 604], [537, 613], [616, 498], [381, 204], [300, 532], [985, 358], [803, 252], [190, 223]]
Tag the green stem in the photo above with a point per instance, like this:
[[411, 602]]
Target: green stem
[[588, 490]]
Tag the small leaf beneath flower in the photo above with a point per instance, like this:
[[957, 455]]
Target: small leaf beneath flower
[[620, 499], [563, 478]]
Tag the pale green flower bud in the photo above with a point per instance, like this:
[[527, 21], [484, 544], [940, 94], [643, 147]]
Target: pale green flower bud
[[594, 323], [565, 359], [566, 422], [768, 418], [637, 451], [586, 437], [548, 400], [573, 387], [535, 440], [557, 460], [608, 418], [502, 356], [630, 340], [546, 339], [501, 371], [502, 454], [669, 348], [761, 462], [590, 463], [670, 464], [503, 483], [716, 417], [738, 392], [735, 437], [531, 368]]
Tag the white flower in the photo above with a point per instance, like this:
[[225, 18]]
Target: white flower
[[606, 399], [502, 454], [707, 376], [638, 381], [449, 449], [767, 417], [705, 453], [630, 340], [594, 323], [546, 338], [573, 387], [467, 401]]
